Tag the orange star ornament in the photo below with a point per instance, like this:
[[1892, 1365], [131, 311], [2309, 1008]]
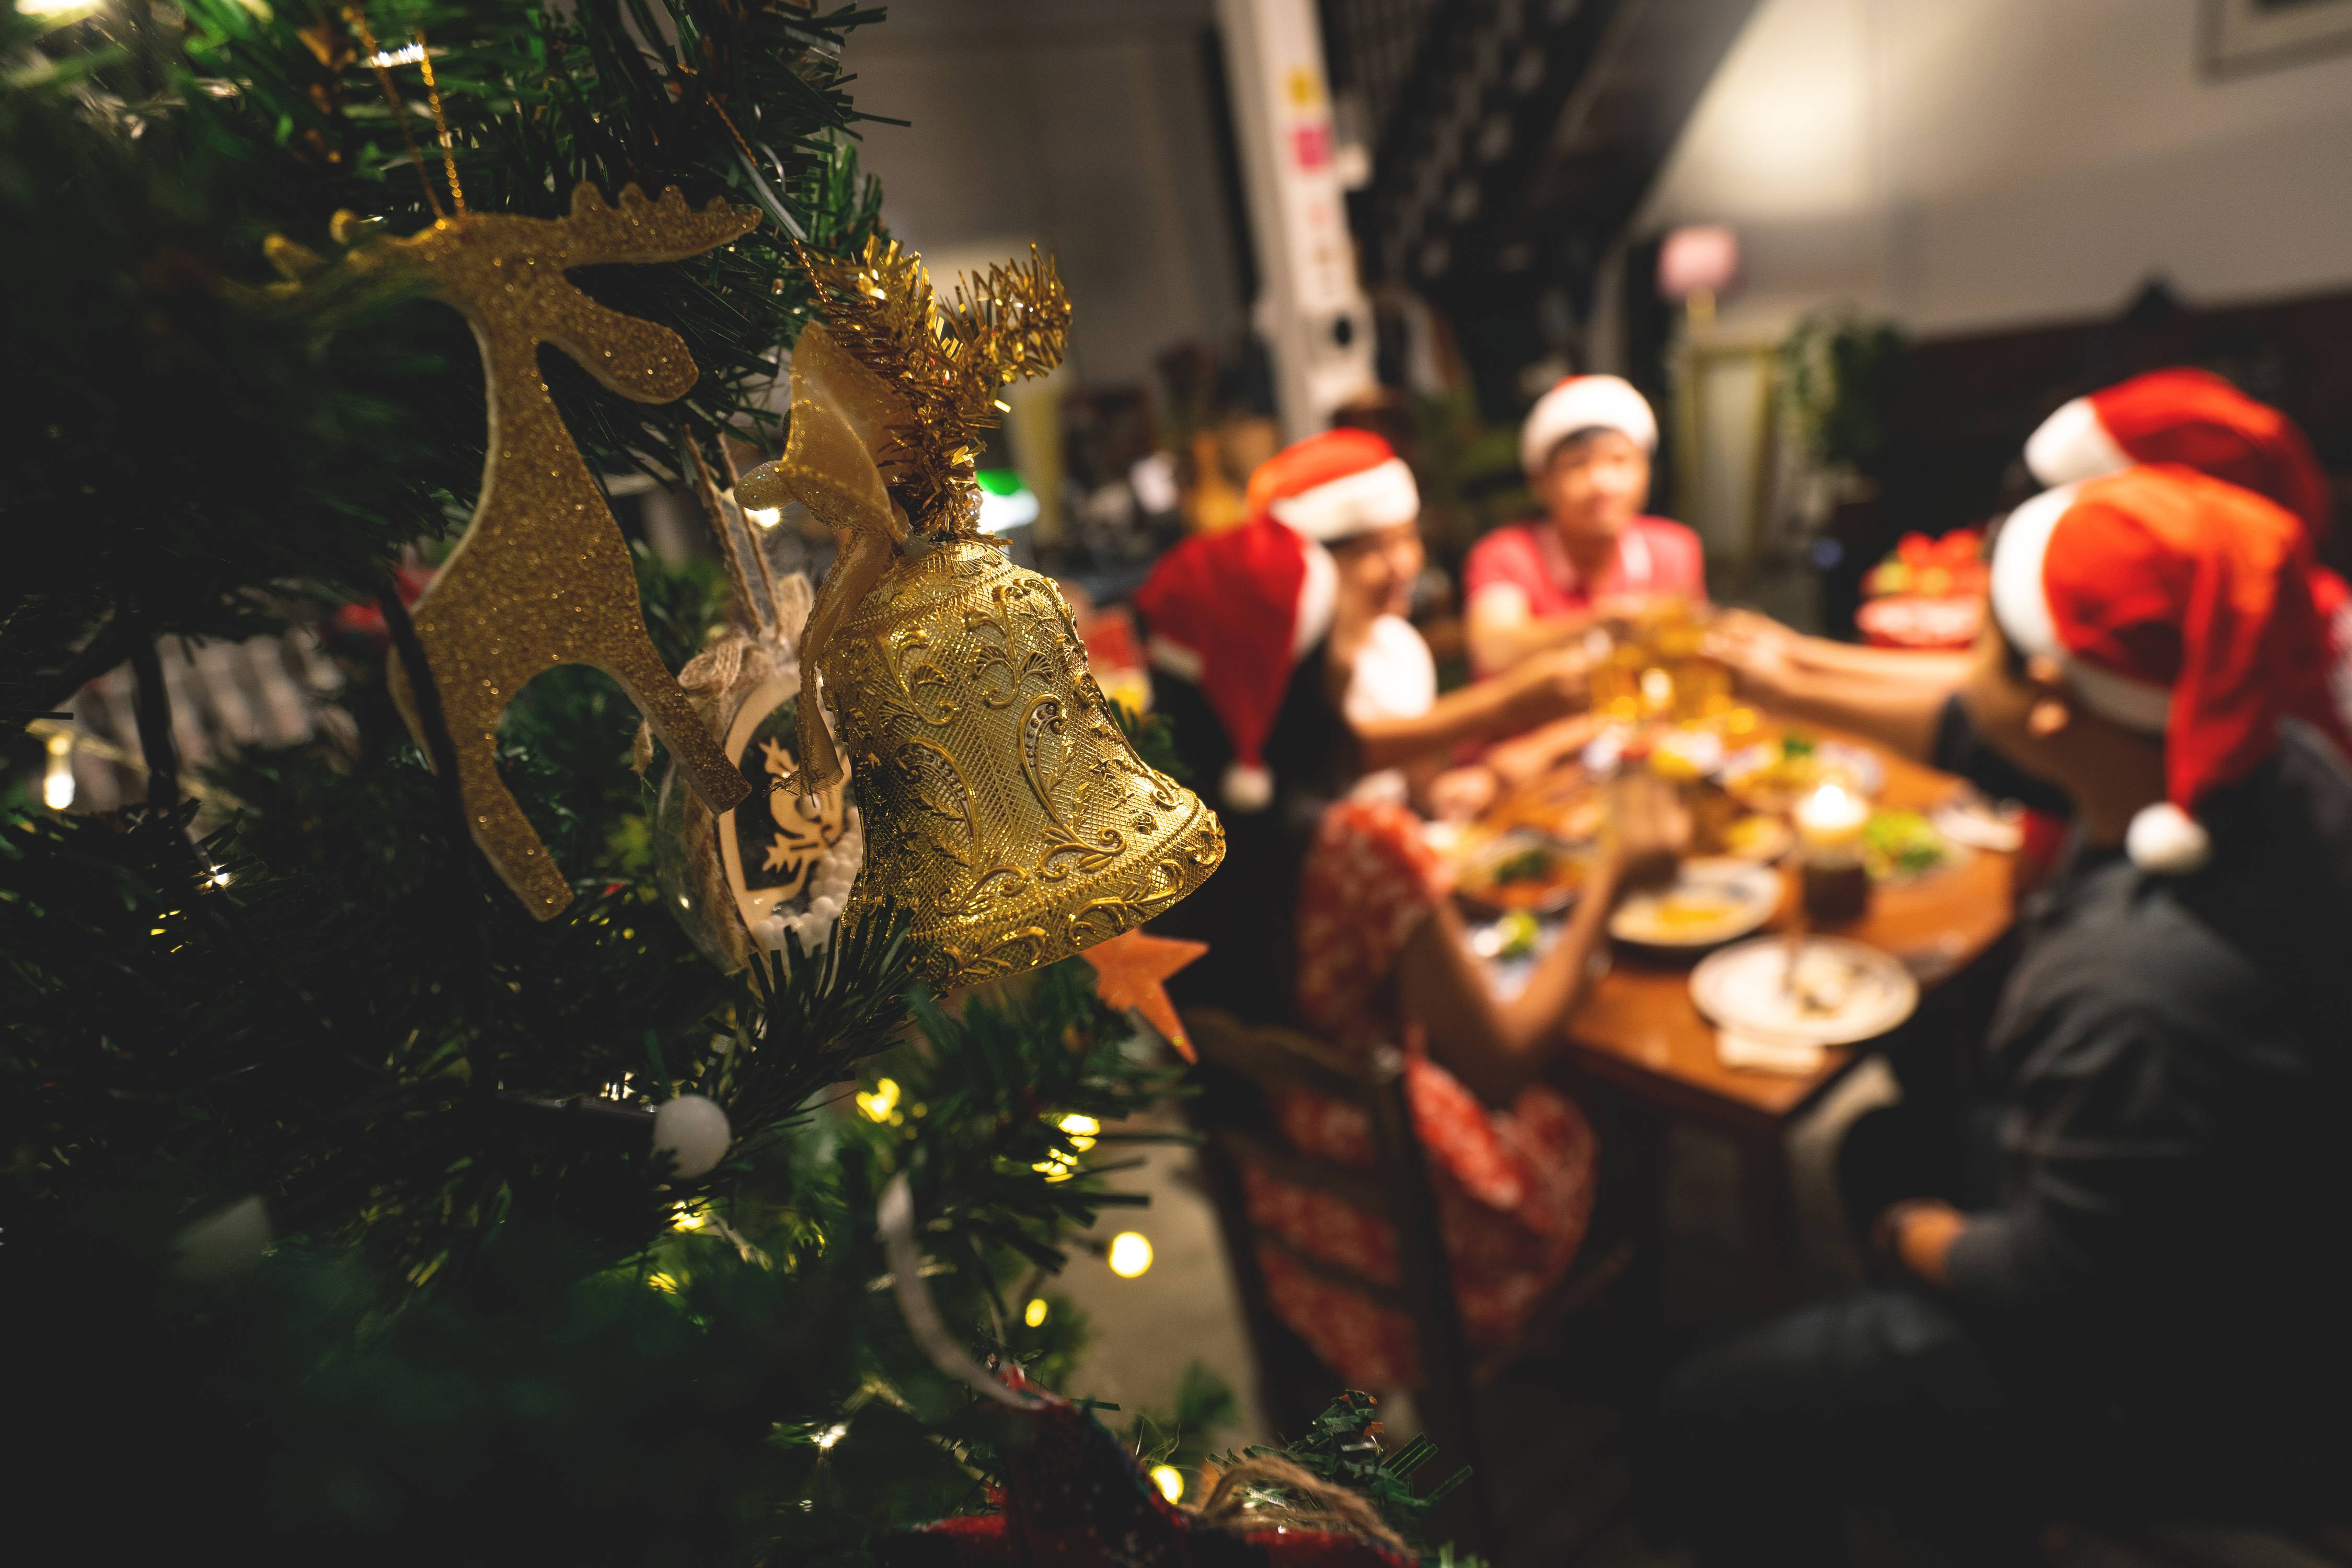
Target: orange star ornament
[[1130, 972]]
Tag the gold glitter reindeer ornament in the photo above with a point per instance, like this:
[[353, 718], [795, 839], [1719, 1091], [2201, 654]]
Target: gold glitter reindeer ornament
[[541, 577], [1004, 806]]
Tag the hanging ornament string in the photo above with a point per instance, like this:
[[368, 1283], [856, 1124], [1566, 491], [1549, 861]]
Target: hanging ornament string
[[739, 548], [380, 64], [686, 79], [440, 123]]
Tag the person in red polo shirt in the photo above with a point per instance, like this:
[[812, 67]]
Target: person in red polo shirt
[[1585, 446]]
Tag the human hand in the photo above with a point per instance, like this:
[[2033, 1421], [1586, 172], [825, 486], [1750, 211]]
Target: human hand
[[1524, 756], [1763, 656], [1621, 613], [1551, 684], [1917, 1233], [1457, 794], [1649, 828]]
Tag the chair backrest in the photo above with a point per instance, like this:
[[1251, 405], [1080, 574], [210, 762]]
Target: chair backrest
[[1397, 1189]]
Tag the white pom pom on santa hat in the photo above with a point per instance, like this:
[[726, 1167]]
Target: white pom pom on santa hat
[[1245, 787], [2168, 841]]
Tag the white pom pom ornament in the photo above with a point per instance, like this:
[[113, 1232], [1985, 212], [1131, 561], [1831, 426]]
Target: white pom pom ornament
[[1247, 788], [694, 1133], [2167, 840]]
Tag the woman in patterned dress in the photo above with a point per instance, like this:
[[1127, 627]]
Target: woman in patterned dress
[[1381, 955]]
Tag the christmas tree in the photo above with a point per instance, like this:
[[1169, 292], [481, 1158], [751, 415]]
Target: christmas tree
[[306, 1018], [356, 1205]]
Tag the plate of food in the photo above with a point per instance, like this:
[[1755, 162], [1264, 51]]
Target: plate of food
[[1820, 991], [1905, 846], [1521, 870], [1710, 901], [1774, 777], [1757, 837]]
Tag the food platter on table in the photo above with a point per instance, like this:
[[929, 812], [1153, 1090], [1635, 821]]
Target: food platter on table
[[1900, 846], [1827, 991], [1712, 900], [1774, 776], [1520, 870]]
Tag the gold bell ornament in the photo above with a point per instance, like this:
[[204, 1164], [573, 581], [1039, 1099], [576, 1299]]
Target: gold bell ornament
[[1003, 807]]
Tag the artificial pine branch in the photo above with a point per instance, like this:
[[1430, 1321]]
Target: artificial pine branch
[[489, 1329]]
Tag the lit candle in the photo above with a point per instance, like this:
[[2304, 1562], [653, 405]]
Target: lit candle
[[1831, 818]]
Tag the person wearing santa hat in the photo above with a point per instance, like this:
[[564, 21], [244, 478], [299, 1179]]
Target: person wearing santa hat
[[1281, 654], [2180, 416], [1586, 447], [2199, 420], [2133, 1282]]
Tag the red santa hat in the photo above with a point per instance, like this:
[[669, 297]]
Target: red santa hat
[[1580, 403], [2177, 605], [1335, 486], [2191, 418], [1233, 613]]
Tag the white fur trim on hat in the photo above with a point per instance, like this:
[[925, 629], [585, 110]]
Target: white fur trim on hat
[[1164, 653], [1585, 402], [1246, 788], [2020, 604], [2073, 444], [1318, 599], [1379, 497], [2167, 840]]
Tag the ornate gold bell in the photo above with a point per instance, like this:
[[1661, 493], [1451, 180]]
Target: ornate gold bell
[[1003, 805]]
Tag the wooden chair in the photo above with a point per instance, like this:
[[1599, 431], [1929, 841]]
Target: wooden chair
[[1242, 1066]]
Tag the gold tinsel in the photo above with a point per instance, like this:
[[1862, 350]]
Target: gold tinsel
[[945, 364]]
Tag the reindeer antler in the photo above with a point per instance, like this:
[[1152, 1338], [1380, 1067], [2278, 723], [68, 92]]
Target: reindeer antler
[[640, 229]]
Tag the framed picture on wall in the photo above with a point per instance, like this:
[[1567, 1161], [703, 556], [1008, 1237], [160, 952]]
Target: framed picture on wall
[[2243, 36]]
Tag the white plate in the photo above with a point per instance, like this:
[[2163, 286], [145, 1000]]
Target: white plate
[[1747, 893], [1980, 825], [1845, 992]]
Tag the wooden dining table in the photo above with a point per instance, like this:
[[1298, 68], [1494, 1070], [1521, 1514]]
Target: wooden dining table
[[1638, 1033]]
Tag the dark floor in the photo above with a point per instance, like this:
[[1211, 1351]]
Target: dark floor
[[1554, 1434]]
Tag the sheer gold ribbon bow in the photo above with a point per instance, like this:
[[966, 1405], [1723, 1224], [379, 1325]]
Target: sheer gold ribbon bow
[[841, 417]]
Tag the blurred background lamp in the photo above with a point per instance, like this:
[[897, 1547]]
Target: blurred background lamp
[[1005, 503], [1131, 1253], [1696, 265]]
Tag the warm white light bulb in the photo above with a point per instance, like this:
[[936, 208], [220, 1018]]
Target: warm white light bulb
[[1169, 1480], [1033, 1314], [1131, 1253], [879, 1105], [765, 516], [57, 779]]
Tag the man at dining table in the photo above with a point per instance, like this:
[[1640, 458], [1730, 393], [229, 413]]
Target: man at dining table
[[1586, 447], [2129, 1293]]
